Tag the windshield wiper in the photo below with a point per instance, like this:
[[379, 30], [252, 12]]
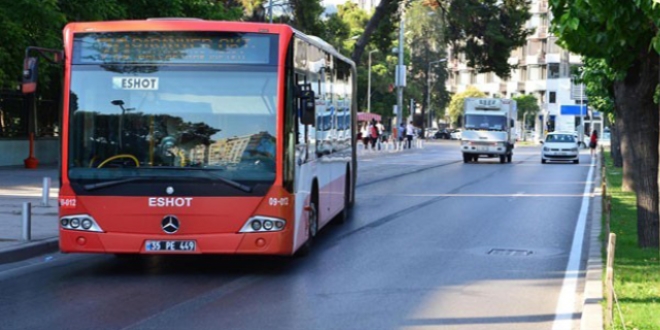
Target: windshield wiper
[[105, 184], [228, 182], [212, 176], [209, 177]]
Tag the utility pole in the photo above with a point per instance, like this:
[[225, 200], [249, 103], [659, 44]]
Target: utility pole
[[369, 88], [428, 88], [581, 132], [400, 68]]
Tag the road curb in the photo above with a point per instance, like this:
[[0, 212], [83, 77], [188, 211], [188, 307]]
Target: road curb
[[29, 250], [592, 310]]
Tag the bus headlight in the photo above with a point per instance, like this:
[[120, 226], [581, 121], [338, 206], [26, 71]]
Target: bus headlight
[[268, 224], [86, 224], [255, 225], [82, 222], [260, 224]]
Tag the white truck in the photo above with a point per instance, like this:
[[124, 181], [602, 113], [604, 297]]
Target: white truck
[[488, 129]]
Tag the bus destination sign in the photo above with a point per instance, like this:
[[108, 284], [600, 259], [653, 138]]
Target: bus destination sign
[[172, 48]]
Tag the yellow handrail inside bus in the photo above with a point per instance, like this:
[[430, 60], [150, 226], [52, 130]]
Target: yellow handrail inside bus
[[137, 163]]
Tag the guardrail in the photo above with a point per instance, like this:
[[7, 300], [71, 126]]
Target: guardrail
[[389, 146]]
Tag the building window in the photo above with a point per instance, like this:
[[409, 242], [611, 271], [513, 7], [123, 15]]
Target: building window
[[552, 97], [534, 72], [553, 71], [466, 77]]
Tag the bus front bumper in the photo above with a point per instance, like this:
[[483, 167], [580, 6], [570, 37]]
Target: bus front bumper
[[272, 243]]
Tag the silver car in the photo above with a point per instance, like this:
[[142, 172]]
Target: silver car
[[560, 147]]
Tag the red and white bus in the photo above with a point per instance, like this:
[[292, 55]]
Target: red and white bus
[[195, 136]]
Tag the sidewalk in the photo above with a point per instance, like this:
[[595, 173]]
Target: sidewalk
[[19, 185]]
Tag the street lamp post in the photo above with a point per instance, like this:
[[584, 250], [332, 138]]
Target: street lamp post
[[581, 132], [369, 83], [428, 87], [400, 69]]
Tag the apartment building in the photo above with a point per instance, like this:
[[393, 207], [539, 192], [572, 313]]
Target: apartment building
[[543, 69]]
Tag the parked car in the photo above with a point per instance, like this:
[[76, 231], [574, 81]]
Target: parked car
[[560, 146], [443, 134], [430, 132], [456, 135]]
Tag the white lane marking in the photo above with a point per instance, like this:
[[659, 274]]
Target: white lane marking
[[518, 195], [566, 303]]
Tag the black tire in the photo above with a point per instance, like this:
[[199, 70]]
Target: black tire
[[475, 158], [466, 158], [502, 159], [313, 219], [543, 161], [509, 157], [577, 161]]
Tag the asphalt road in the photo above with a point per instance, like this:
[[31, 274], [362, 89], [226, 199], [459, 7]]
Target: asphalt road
[[432, 244]]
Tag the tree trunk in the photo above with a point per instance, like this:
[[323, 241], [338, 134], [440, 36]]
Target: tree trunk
[[634, 98], [615, 144], [627, 157], [363, 41]]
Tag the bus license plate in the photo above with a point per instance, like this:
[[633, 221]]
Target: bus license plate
[[182, 246]]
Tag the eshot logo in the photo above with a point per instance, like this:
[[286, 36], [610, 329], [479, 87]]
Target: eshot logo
[[170, 201], [135, 83]]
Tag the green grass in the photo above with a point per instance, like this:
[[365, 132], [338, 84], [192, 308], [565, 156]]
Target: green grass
[[636, 271]]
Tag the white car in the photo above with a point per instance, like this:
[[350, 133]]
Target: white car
[[456, 135], [560, 147]]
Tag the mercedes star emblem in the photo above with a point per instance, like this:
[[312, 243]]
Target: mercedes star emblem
[[170, 224], [169, 190]]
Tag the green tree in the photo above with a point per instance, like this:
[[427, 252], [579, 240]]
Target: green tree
[[455, 108], [26, 23], [624, 35], [307, 16], [424, 29], [528, 108], [486, 31]]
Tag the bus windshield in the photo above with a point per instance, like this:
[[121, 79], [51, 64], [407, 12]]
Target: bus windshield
[[156, 120]]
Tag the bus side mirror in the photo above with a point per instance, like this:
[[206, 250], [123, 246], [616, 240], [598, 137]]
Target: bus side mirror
[[307, 105], [30, 74]]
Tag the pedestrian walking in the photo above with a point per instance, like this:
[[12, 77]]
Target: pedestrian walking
[[381, 130], [410, 133], [373, 134], [364, 133], [402, 135], [593, 142]]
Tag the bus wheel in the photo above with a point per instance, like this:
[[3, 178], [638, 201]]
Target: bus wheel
[[466, 158], [502, 159], [312, 227]]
